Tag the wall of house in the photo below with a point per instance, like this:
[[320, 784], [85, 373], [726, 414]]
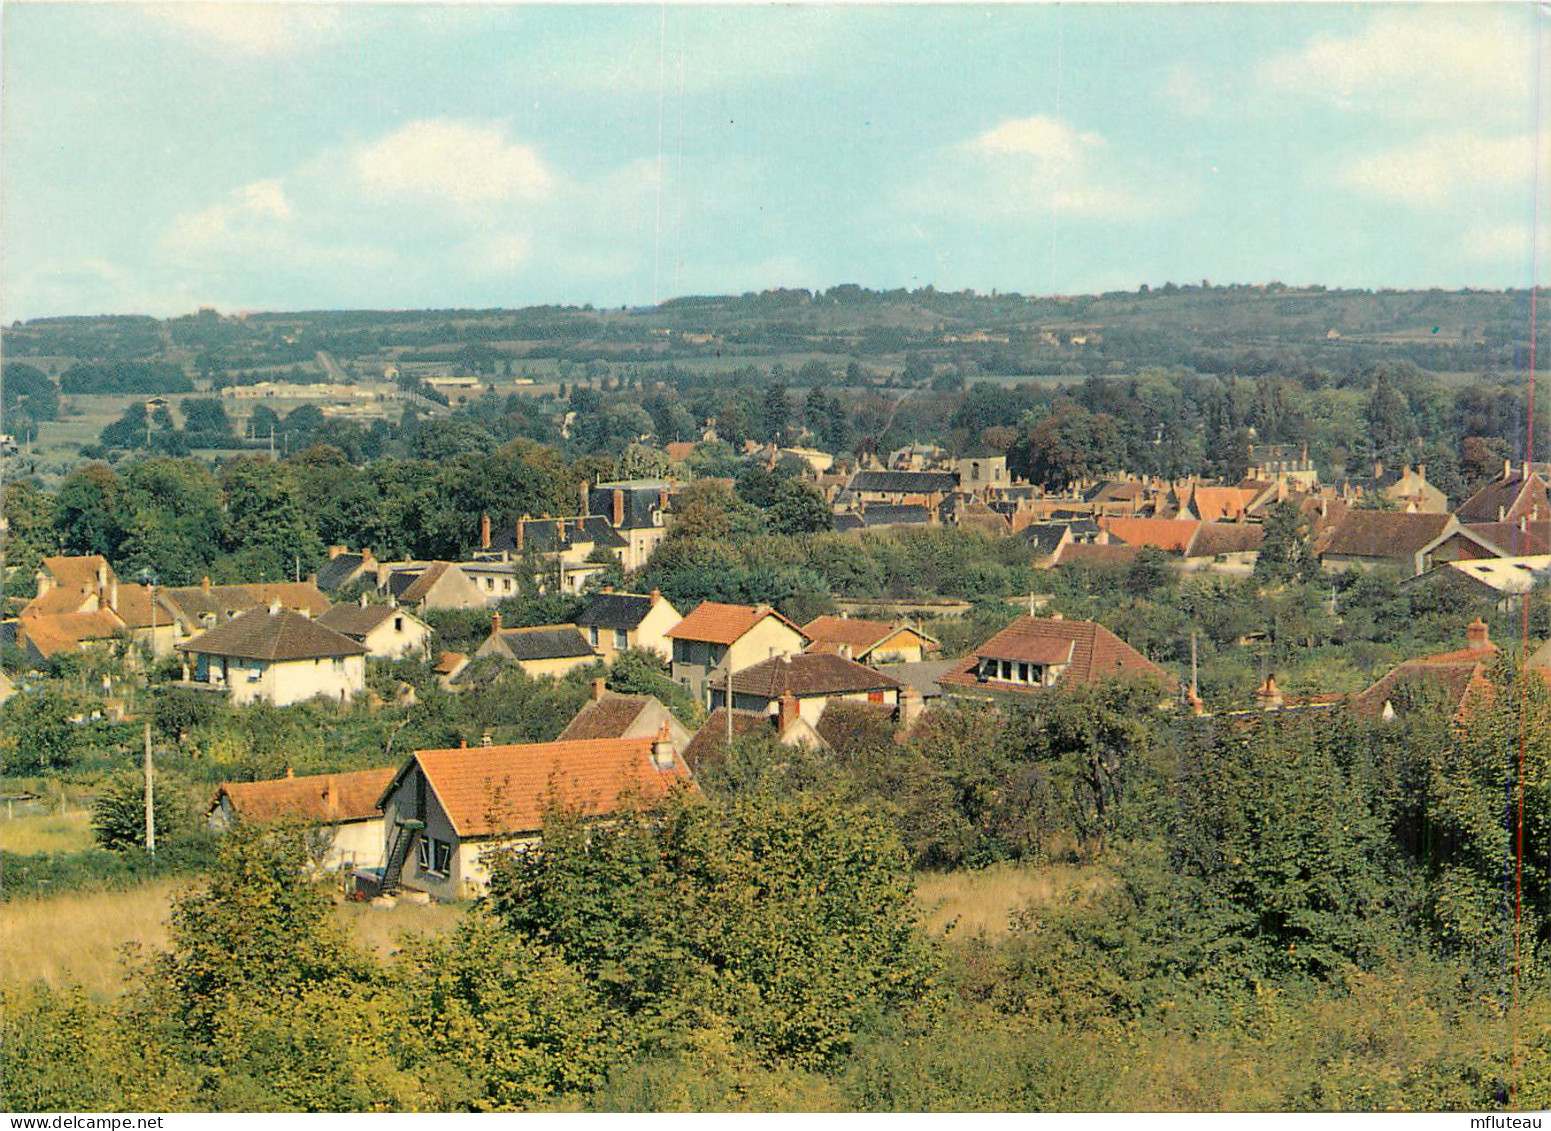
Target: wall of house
[[905, 647], [400, 805], [454, 590], [390, 643], [473, 862], [650, 634], [556, 667], [355, 844], [770, 637], [293, 681]]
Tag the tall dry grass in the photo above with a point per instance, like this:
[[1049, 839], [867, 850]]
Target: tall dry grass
[[966, 903], [46, 832], [80, 937]]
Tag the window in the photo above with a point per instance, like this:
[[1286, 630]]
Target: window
[[506, 584], [423, 854], [592, 636], [490, 585], [398, 624], [339, 663], [442, 855], [621, 640]]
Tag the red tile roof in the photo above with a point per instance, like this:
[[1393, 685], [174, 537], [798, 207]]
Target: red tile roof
[[496, 790], [64, 632], [716, 623], [1091, 553], [1171, 535], [316, 797], [1213, 504], [608, 717], [862, 635], [1096, 654]]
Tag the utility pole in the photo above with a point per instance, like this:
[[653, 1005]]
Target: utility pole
[[1195, 686], [150, 807]]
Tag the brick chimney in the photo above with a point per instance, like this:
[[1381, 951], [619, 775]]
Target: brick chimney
[[495, 622], [787, 711], [1269, 695], [484, 531], [619, 507], [586, 498], [662, 747], [1477, 634], [598, 685], [335, 551], [521, 522], [485, 740], [204, 583], [656, 596]]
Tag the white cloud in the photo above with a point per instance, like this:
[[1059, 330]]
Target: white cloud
[[1505, 244], [251, 28], [1046, 140], [439, 159], [1442, 168], [1418, 61], [248, 211]]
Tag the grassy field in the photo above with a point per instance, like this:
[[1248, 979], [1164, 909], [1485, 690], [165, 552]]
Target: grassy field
[[46, 832], [82, 937]]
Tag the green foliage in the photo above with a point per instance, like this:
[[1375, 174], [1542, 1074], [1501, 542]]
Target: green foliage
[[41, 731], [118, 813]]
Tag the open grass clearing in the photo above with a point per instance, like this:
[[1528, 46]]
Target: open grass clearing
[[968, 903], [32, 833]]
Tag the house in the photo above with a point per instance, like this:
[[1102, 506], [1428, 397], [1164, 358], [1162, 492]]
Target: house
[[1411, 543], [388, 631], [1035, 653], [1231, 547], [806, 683], [445, 809], [344, 568], [276, 655], [1406, 487], [611, 715], [1096, 553], [1522, 538], [1519, 492], [193, 609], [613, 622], [1170, 535], [638, 511], [430, 585], [542, 650], [981, 469], [565, 549], [868, 641], [1453, 678], [341, 809], [1218, 504], [71, 587], [899, 488], [709, 745], [717, 636]]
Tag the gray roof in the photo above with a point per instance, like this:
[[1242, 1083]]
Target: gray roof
[[887, 514], [355, 621], [615, 610], [544, 535], [546, 642], [904, 482], [921, 676], [338, 571]]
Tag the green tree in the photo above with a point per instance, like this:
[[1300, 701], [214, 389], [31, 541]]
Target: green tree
[[1286, 556]]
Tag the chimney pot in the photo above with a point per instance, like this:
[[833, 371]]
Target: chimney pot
[[787, 712], [1477, 633], [484, 531], [495, 622], [662, 747]]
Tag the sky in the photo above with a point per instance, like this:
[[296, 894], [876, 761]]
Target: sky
[[159, 158]]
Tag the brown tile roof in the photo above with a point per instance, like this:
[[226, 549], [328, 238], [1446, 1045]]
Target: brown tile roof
[[1385, 534], [1092, 553], [608, 717], [356, 621], [448, 661], [494, 790], [1506, 497], [1096, 653], [1226, 538], [193, 603], [1171, 535], [263, 634], [316, 797], [717, 623], [421, 586], [829, 632], [1534, 538], [710, 741], [807, 674], [64, 632], [75, 584]]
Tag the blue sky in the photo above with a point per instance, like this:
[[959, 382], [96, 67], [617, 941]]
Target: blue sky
[[264, 156]]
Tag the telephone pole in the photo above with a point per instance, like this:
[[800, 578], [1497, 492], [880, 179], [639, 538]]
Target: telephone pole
[[150, 794]]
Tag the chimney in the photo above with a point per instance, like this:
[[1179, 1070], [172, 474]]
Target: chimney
[[363, 599], [619, 507], [787, 712], [1421, 471], [330, 795], [1476, 633], [335, 551], [656, 596], [484, 531], [495, 622], [1378, 468], [597, 688], [662, 747], [1507, 470], [1269, 696], [484, 739], [662, 498], [274, 606], [289, 773], [521, 522], [911, 705], [586, 499], [204, 583]]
